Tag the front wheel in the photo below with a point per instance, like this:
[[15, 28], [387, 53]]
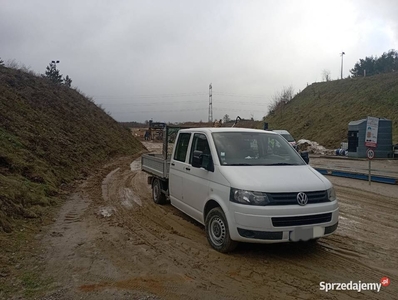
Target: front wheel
[[157, 195], [217, 231]]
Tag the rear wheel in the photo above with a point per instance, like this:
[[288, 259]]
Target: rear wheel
[[217, 231], [157, 195], [313, 241]]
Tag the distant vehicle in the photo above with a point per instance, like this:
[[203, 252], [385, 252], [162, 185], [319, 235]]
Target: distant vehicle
[[242, 185], [288, 137]]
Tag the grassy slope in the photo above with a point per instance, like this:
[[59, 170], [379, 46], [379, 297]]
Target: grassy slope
[[49, 135], [322, 111]]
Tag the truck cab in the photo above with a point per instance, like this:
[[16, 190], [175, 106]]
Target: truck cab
[[248, 185]]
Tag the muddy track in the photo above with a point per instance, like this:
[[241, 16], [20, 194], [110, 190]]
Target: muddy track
[[111, 241]]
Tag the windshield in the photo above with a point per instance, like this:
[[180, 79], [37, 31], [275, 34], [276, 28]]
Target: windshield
[[254, 149]]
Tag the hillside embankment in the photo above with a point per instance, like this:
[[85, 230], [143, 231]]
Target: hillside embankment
[[322, 111], [49, 135]]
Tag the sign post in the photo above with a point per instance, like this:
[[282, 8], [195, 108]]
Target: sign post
[[372, 129], [370, 154]]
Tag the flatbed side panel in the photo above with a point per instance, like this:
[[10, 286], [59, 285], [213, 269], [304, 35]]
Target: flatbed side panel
[[155, 165]]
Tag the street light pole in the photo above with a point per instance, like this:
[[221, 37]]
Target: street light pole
[[341, 54]]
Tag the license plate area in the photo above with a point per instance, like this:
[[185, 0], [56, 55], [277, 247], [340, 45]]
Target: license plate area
[[305, 234]]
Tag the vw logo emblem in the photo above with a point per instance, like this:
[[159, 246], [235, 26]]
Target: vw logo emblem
[[302, 199]]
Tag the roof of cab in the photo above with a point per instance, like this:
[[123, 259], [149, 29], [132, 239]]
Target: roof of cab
[[223, 129], [280, 131]]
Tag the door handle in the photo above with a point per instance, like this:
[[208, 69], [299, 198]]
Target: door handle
[[173, 164], [188, 169]]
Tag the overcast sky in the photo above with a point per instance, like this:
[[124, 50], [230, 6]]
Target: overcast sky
[[155, 59]]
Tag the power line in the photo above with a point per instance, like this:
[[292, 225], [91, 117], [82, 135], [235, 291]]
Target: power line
[[239, 95], [188, 102], [154, 103], [164, 111], [188, 109], [225, 109], [145, 96], [193, 94]]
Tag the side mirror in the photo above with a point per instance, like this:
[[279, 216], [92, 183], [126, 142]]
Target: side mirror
[[305, 156], [200, 160], [197, 159]]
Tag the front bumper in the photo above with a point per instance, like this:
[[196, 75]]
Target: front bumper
[[272, 224]]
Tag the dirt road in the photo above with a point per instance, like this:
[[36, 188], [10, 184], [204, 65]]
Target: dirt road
[[110, 241]]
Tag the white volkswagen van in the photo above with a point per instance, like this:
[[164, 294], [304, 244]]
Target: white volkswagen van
[[247, 185]]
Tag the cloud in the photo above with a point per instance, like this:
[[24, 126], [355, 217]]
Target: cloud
[[129, 53]]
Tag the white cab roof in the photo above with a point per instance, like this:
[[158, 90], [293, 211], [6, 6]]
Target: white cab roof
[[281, 131], [225, 129]]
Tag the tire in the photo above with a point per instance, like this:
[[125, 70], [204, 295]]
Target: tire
[[313, 241], [157, 196], [217, 231]]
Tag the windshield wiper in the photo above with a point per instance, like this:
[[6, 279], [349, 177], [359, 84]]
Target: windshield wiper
[[243, 164], [281, 164]]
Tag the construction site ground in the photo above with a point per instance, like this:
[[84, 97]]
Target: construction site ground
[[110, 241]]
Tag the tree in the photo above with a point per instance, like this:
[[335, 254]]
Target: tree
[[1, 62], [226, 118], [326, 75], [52, 73], [388, 62], [369, 66], [280, 99], [12, 64], [68, 81]]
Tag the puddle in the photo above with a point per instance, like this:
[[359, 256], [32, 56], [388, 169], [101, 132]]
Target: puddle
[[136, 165], [105, 182]]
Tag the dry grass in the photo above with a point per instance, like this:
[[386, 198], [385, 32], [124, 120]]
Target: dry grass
[[322, 111]]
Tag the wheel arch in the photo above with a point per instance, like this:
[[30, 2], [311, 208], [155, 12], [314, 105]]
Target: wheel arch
[[212, 203]]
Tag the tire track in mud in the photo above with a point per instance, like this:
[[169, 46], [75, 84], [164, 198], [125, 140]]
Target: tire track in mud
[[180, 251], [142, 248], [172, 237], [148, 223]]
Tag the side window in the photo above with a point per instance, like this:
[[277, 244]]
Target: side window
[[200, 143], [182, 147]]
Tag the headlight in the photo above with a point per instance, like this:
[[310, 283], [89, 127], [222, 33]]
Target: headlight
[[331, 194], [248, 197]]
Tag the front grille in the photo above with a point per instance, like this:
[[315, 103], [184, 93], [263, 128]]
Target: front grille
[[301, 220], [291, 198]]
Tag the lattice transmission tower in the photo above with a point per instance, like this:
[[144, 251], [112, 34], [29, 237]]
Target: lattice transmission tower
[[210, 104]]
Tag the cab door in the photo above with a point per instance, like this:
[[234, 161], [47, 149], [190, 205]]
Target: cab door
[[178, 165], [196, 180]]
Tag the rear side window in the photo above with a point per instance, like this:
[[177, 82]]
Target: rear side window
[[182, 147]]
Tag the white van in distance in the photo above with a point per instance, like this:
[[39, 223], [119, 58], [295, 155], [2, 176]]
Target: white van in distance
[[288, 137], [244, 185]]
